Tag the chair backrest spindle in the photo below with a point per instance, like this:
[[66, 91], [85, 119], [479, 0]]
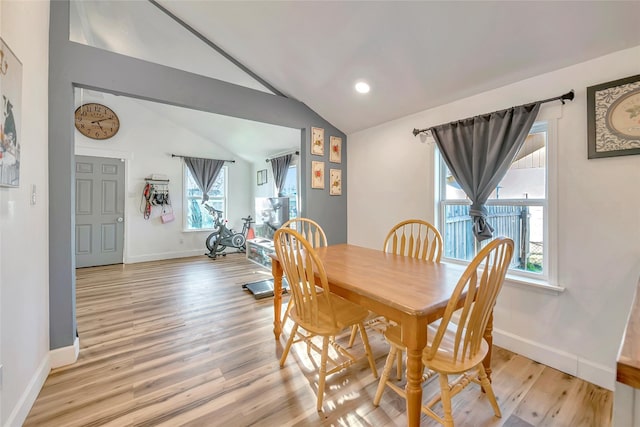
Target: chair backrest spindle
[[414, 238], [309, 229]]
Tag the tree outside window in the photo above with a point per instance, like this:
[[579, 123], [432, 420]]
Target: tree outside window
[[196, 216]]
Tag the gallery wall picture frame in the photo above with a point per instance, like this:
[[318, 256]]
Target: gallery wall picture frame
[[262, 177], [11, 118], [613, 118], [335, 149], [317, 141], [335, 182], [317, 175]]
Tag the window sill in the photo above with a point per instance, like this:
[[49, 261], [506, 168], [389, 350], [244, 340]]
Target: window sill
[[521, 281]]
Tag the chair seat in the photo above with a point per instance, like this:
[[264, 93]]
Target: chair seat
[[346, 314], [443, 359]]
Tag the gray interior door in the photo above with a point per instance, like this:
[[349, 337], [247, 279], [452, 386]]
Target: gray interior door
[[99, 211]]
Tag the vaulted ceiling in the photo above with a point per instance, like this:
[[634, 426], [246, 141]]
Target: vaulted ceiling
[[414, 54]]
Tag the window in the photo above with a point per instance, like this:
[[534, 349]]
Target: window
[[290, 190], [517, 208], [196, 215]]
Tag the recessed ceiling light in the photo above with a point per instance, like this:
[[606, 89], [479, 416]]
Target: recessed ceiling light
[[362, 87]]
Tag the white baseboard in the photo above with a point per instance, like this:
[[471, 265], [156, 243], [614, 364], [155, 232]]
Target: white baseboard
[[596, 373], [21, 410], [164, 255], [65, 355], [625, 406], [569, 363]]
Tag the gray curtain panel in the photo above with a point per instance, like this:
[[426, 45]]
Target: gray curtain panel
[[479, 152], [280, 166], [205, 172]]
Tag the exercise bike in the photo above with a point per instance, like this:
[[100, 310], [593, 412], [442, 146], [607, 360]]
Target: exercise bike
[[223, 237]]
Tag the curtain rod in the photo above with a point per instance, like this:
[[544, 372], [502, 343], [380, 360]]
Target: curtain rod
[[567, 96], [291, 152], [205, 158]]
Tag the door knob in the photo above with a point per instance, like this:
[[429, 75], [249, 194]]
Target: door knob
[[120, 219]]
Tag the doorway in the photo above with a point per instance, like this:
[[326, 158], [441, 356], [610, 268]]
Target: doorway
[[99, 211]]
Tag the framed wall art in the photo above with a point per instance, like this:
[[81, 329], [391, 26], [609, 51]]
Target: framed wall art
[[262, 177], [317, 175], [335, 182], [335, 149], [11, 118], [613, 120], [317, 141]]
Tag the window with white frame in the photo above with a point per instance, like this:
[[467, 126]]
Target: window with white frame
[[518, 208], [290, 190], [196, 215]]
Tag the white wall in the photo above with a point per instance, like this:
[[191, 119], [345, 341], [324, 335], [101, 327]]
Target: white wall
[[24, 267], [579, 331], [146, 140]]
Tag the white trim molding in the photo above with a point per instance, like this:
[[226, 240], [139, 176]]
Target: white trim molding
[[25, 403], [163, 255], [101, 152], [65, 355], [572, 364]]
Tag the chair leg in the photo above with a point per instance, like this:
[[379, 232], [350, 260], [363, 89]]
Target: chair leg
[[386, 371], [323, 371], [445, 393], [352, 338], [367, 348], [486, 385], [288, 346], [399, 367], [287, 311]]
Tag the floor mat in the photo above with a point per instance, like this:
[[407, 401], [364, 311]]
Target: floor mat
[[264, 288]]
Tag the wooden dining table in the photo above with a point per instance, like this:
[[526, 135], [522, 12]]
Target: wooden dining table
[[409, 291]]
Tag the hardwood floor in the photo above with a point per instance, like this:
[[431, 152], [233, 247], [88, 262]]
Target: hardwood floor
[[178, 342]]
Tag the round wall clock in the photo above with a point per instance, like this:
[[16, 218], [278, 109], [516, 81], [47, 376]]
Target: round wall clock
[[96, 121]]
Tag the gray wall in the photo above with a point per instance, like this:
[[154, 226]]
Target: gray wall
[[76, 65]]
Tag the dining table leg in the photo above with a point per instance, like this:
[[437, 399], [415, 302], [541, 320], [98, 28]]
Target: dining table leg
[[414, 337], [276, 271]]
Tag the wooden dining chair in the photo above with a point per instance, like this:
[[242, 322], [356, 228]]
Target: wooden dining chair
[[309, 229], [414, 238], [459, 348], [316, 310], [314, 234]]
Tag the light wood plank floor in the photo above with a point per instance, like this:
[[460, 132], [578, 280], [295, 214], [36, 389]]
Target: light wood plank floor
[[179, 342]]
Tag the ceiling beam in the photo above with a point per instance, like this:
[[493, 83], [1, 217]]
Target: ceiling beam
[[217, 48]]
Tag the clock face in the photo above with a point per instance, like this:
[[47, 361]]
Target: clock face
[[96, 121]]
